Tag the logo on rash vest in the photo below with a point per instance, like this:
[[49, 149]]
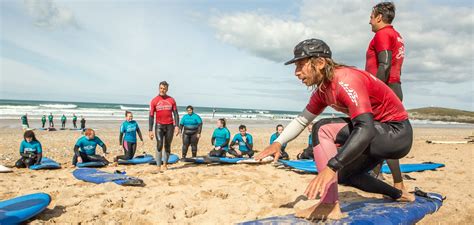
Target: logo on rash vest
[[163, 105], [352, 94], [401, 50]]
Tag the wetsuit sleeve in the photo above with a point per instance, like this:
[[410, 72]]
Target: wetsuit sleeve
[[227, 138], [39, 156], [76, 150], [40, 148], [176, 117], [357, 143], [233, 140], [249, 142], [296, 126], [100, 142], [384, 59], [272, 138], [151, 119], [104, 148], [139, 132], [121, 134]]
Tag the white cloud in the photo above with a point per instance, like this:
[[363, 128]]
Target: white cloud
[[439, 45], [47, 13]]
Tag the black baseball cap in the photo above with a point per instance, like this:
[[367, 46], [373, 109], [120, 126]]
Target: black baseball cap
[[309, 48]]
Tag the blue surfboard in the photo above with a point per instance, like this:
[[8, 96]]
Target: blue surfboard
[[141, 159], [310, 167], [209, 160], [46, 163], [20, 209], [172, 158], [91, 164], [99, 177], [368, 212]]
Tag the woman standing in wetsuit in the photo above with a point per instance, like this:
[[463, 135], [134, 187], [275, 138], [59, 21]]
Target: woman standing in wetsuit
[[163, 108], [190, 127], [377, 129]]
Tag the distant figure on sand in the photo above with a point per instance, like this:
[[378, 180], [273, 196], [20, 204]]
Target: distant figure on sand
[[84, 149], [190, 126], [63, 121], [345, 149], [220, 139], [279, 129], [245, 142], [24, 122], [30, 151], [83, 123], [50, 118], [308, 151], [74, 120], [163, 108], [129, 129], [43, 121]]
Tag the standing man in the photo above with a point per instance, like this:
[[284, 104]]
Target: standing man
[[24, 122], [50, 118], [74, 120], [384, 59], [83, 123], [63, 121], [163, 108]]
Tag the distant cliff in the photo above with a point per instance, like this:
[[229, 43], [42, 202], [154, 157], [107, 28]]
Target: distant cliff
[[442, 114]]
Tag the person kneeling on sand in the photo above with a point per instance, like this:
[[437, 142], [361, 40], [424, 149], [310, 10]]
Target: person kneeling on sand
[[307, 153], [245, 142], [220, 139], [377, 129], [283, 155], [84, 149], [30, 151]]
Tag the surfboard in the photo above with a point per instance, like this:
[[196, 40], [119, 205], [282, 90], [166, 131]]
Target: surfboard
[[209, 160], [20, 209], [310, 167], [98, 177], [172, 158], [46, 163], [141, 159], [4, 169], [267, 159], [91, 164], [371, 211]]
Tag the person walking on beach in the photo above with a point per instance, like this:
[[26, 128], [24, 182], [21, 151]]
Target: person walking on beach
[[345, 149], [220, 139], [128, 137], [50, 118], [24, 122], [63, 121], [384, 59], [279, 129], [190, 126], [43, 121], [163, 108], [74, 120]]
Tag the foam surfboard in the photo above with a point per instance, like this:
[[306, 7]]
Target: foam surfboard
[[4, 169], [267, 159], [20, 209], [141, 159], [373, 211], [172, 158], [310, 167], [209, 160], [46, 163], [91, 164], [98, 177]]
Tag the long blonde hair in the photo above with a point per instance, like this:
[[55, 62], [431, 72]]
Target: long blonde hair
[[327, 71]]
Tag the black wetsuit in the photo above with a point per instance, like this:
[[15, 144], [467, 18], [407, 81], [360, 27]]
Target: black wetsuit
[[190, 138], [88, 158], [83, 124]]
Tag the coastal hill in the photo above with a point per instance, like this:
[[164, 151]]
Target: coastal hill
[[442, 114]]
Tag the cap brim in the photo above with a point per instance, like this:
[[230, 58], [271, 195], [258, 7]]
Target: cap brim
[[295, 59]]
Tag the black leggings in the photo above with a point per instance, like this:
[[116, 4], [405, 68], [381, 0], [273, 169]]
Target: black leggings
[[392, 140], [89, 158], [129, 149], [307, 153], [234, 153], [189, 138], [164, 137], [24, 162], [74, 123], [217, 153], [397, 88]]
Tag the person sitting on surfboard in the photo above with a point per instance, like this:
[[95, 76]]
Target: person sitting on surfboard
[[84, 149], [30, 151], [220, 139], [130, 129], [245, 142], [377, 129], [279, 129], [190, 126], [308, 151]]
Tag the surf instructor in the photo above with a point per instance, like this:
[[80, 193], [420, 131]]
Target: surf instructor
[[163, 108], [377, 129]]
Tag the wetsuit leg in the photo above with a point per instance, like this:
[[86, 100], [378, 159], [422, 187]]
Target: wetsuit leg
[[250, 153], [186, 143], [159, 133], [128, 150], [234, 153], [194, 143], [168, 139], [20, 163], [397, 88], [43, 124], [284, 155], [217, 153], [84, 157], [74, 123], [307, 153], [133, 150]]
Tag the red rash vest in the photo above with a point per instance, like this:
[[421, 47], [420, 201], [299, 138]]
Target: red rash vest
[[388, 39], [162, 108], [355, 92]]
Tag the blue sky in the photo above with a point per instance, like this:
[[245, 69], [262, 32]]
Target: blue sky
[[220, 53]]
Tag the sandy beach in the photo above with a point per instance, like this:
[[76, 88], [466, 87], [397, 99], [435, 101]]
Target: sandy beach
[[191, 194]]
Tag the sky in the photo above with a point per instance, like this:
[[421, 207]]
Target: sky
[[221, 53]]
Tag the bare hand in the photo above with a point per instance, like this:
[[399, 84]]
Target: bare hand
[[272, 150], [79, 159], [151, 135], [319, 184], [176, 131]]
